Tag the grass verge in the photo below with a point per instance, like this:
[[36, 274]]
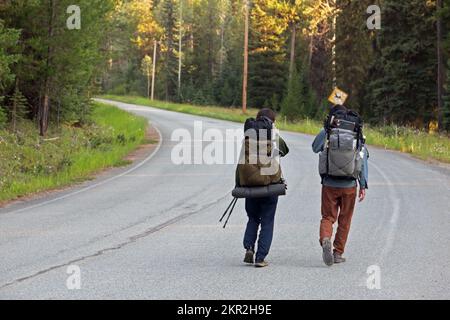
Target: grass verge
[[30, 164], [415, 142]]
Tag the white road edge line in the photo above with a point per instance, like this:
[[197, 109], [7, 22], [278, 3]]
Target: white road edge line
[[390, 237], [395, 200], [99, 183]]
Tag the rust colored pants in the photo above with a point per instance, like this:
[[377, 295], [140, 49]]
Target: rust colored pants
[[337, 205]]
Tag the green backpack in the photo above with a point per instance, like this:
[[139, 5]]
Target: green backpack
[[257, 167]]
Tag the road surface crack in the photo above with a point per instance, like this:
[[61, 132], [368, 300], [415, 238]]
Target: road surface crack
[[130, 240]]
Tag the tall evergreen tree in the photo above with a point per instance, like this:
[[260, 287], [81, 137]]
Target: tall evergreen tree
[[353, 51], [403, 76], [446, 30], [293, 105], [267, 61], [319, 15], [8, 39], [58, 65], [446, 111], [167, 16], [228, 86]]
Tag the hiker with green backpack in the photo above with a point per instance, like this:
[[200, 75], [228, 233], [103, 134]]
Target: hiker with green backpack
[[342, 166], [259, 169]]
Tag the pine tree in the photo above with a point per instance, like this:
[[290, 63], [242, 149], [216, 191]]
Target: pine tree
[[167, 16], [267, 58], [293, 105], [319, 17], [228, 86], [208, 55], [354, 51], [403, 77], [55, 60], [446, 112], [446, 26], [19, 106], [8, 39]]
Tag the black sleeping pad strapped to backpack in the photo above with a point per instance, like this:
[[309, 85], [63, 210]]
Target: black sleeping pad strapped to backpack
[[278, 189]]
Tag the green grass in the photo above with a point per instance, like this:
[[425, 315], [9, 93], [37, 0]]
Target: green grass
[[417, 143], [30, 164]]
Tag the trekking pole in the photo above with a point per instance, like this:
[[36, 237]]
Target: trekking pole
[[231, 211], [226, 211]]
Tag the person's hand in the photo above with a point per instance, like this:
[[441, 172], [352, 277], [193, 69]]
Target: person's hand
[[362, 195]]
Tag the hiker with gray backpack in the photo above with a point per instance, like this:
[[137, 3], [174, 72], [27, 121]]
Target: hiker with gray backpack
[[343, 166]]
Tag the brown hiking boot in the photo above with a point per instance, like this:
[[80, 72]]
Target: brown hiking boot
[[327, 255], [261, 264], [338, 258], [249, 256]]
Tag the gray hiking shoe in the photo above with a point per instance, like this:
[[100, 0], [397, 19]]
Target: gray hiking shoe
[[249, 256], [327, 255], [261, 264], [338, 258]]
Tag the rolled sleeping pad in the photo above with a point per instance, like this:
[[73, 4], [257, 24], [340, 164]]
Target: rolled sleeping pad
[[278, 189]]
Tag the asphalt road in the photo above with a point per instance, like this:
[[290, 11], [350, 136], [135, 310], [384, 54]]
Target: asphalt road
[[151, 231]]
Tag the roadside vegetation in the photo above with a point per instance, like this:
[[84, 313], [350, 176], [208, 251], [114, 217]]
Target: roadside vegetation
[[416, 142], [71, 153], [55, 56]]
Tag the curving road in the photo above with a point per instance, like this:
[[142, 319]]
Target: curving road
[[151, 231]]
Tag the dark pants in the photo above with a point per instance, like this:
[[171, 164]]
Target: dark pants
[[261, 212]]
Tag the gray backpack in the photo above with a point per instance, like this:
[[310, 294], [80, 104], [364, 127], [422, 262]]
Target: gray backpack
[[341, 157]]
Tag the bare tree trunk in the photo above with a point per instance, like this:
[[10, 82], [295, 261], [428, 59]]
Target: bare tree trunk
[[149, 82], [333, 54], [245, 76], [440, 74], [110, 60], [14, 108], [222, 49], [180, 48], [311, 50], [292, 60], [210, 46], [45, 109], [152, 96], [58, 118]]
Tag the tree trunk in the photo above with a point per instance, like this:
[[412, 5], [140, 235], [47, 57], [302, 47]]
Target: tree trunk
[[440, 69], [58, 114], [333, 51], [311, 49], [210, 45], [14, 108], [245, 76], [180, 48], [149, 82], [222, 49], [45, 108], [292, 60], [152, 96]]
